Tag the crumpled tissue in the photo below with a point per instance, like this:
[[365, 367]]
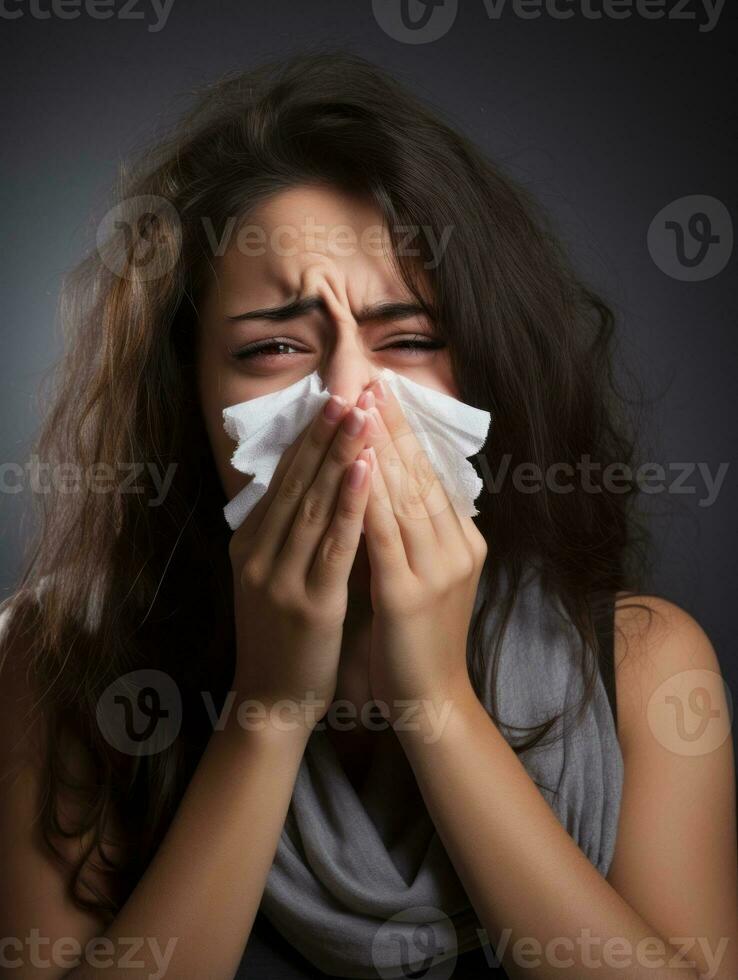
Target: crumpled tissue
[[447, 429]]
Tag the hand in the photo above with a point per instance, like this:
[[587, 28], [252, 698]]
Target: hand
[[291, 560], [426, 562]]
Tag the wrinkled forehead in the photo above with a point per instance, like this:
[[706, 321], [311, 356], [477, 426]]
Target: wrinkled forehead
[[305, 235]]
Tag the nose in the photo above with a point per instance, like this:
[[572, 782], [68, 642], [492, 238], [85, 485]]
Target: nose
[[345, 369]]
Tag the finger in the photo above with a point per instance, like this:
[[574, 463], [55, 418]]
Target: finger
[[336, 552], [315, 509], [442, 513], [475, 538], [384, 542], [404, 499], [271, 518]]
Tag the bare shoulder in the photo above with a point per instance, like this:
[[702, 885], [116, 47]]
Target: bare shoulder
[[662, 655], [648, 622]]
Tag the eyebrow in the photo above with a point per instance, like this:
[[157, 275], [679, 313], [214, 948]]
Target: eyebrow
[[295, 308]]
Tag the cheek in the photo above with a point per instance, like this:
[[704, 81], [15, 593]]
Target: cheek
[[440, 375], [448, 379], [217, 390]]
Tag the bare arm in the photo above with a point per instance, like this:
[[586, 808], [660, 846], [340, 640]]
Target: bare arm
[[672, 885], [195, 905], [192, 911], [670, 895]]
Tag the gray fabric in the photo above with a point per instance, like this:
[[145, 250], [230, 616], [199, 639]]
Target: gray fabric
[[348, 862]]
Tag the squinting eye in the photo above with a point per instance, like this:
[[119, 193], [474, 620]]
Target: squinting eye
[[254, 350], [262, 348], [415, 345]]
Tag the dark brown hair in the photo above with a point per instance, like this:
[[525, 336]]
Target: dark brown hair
[[113, 585]]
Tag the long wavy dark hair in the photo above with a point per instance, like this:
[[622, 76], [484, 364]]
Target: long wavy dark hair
[[112, 585]]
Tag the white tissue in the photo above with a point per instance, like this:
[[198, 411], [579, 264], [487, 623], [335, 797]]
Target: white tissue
[[447, 429]]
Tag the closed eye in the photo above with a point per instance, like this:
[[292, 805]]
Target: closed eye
[[415, 344]]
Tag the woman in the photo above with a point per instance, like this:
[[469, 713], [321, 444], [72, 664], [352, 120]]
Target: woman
[[216, 286]]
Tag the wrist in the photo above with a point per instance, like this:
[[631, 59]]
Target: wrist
[[282, 722], [425, 721]]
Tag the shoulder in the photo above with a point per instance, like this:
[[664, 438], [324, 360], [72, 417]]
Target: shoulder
[[652, 631], [663, 659]]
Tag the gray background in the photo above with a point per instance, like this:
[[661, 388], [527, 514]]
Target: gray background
[[607, 121]]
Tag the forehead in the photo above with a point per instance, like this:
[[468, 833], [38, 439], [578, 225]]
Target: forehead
[[310, 231]]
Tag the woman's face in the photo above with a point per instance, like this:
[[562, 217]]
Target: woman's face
[[307, 243]]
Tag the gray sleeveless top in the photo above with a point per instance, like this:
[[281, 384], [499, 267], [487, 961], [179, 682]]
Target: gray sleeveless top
[[361, 885]]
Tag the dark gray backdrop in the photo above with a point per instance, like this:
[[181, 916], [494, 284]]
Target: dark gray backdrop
[[607, 120]]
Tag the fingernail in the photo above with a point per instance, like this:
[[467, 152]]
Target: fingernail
[[334, 407], [353, 422]]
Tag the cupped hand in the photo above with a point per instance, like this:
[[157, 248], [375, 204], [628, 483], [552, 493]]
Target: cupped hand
[[291, 560], [426, 562]]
